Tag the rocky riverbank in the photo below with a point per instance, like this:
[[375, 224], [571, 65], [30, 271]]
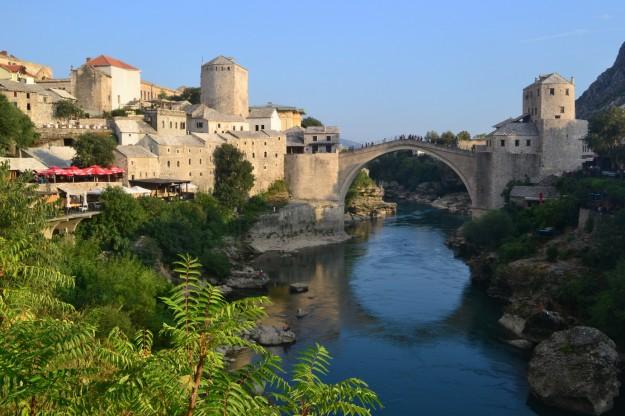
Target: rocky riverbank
[[573, 368], [431, 193], [367, 202]]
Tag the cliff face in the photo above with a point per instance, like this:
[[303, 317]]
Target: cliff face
[[607, 91]]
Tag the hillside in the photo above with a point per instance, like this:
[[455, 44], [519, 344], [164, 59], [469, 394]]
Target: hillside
[[608, 90]]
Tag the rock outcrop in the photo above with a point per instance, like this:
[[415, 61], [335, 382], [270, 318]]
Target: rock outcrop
[[270, 335], [607, 91], [576, 370], [367, 202]]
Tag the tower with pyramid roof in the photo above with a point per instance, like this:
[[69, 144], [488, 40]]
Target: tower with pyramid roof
[[224, 86]]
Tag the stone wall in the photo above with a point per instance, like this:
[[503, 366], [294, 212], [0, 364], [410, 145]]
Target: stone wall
[[137, 167], [39, 108], [562, 145], [313, 176], [171, 122], [267, 158], [299, 225]]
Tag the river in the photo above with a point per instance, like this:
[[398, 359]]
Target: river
[[396, 308]]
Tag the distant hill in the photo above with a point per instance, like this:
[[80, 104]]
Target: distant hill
[[607, 91]]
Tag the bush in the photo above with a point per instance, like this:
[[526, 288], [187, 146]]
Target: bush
[[552, 253], [489, 230], [277, 194], [516, 249]]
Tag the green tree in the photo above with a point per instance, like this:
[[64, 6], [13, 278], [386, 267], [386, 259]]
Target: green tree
[[489, 230], [16, 129], [310, 122], [120, 219], [432, 136], [67, 109], [233, 177], [448, 138], [463, 135], [606, 135], [190, 94], [94, 149]]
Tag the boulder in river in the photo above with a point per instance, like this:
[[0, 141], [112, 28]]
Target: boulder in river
[[270, 335], [576, 370], [247, 278], [298, 287], [542, 324]]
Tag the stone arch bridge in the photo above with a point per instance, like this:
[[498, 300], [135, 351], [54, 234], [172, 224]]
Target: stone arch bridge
[[462, 162], [326, 177]]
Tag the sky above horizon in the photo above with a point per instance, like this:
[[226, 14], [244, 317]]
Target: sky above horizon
[[374, 69]]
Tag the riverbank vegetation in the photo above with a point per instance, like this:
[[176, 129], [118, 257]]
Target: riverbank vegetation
[[90, 326], [596, 293]]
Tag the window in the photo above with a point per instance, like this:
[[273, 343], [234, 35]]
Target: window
[[516, 143], [189, 173], [241, 128], [566, 91], [257, 126], [265, 154], [133, 177], [189, 162], [176, 124], [168, 164], [27, 95], [200, 161], [178, 164], [562, 110], [276, 155], [328, 138], [28, 106], [314, 138], [558, 116], [218, 125], [503, 143], [182, 125], [552, 91], [234, 128], [528, 142], [328, 148], [171, 124], [15, 93], [253, 155], [199, 124], [262, 127]]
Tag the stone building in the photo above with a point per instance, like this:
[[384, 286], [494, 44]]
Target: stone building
[[313, 139], [224, 86], [166, 121], [265, 150], [39, 71], [34, 100], [289, 116], [129, 130], [546, 139], [151, 91], [203, 119], [105, 83], [183, 157], [264, 118], [137, 161], [64, 84], [17, 73]]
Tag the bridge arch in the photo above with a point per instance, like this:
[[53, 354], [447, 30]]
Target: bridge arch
[[462, 162]]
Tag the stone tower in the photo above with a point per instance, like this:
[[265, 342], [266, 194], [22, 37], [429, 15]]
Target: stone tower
[[550, 97], [224, 86]]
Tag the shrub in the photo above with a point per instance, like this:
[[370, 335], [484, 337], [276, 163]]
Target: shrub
[[516, 249], [552, 253], [490, 230]]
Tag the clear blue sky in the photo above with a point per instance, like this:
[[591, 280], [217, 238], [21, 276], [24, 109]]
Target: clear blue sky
[[374, 68]]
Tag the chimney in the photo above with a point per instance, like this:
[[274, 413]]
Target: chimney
[[87, 59]]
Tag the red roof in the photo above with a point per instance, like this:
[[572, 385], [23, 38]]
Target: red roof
[[104, 60], [16, 69]]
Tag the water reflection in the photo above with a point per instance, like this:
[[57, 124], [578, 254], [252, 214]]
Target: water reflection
[[395, 308]]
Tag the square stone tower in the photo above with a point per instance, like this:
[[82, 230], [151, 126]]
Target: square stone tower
[[550, 97], [224, 86]]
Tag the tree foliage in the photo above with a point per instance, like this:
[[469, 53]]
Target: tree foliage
[[463, 135], [67, 109], [190, 94], [311, 122], [94, 149], [233, 177], [16, 129], [606, 135]]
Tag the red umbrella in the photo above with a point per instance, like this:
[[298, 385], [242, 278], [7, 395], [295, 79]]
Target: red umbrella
[[98, 170], [77, 171], [55, 170], [115, 169]]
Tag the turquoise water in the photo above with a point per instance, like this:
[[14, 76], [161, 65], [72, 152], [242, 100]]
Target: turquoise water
[[395, 308]]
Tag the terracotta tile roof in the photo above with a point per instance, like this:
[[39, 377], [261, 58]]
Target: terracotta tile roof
[[104, 60], [16, 69]]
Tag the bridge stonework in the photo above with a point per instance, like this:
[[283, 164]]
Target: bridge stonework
[[328, 176]]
